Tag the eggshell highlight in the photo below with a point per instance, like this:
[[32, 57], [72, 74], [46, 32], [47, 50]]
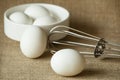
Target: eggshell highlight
[[67, 62], [20, 18], [36, 11], [33, 42], [46, 20]]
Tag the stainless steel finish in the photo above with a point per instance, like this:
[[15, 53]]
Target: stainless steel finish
[[101, 47]]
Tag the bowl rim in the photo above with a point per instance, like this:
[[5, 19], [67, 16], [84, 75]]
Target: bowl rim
[[59, 21]]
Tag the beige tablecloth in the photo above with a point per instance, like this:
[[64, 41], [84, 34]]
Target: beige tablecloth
[[98, 17]]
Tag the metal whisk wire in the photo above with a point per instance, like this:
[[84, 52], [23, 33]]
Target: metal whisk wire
[[99, 48]]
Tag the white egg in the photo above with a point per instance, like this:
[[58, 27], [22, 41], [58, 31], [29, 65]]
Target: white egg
[[46, 20], [67, 62], [36, 11], [20, 18], [33, 42]]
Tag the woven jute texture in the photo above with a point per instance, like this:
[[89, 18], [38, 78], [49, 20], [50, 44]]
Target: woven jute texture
[[97, 17]]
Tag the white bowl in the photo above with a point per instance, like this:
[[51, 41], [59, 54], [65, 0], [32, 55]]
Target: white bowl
[[14, 31]]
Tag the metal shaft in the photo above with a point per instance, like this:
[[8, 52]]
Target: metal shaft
[[102, 46]]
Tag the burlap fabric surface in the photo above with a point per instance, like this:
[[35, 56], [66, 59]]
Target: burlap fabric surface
[[98, 17]]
